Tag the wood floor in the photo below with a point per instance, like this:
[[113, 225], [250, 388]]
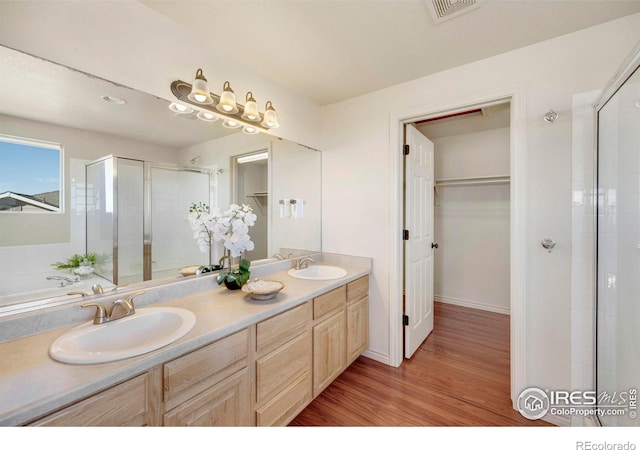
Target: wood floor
[[458, 377]]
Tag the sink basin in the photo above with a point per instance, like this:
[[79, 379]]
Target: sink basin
[[318, 272], [147, 330]]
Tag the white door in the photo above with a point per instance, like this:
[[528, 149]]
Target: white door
[[418, 250]]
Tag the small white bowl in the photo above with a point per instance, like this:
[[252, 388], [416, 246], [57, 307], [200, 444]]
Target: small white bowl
[[262, 289]]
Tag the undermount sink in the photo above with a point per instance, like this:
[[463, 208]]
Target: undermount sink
[[147, 330], [318, 272]]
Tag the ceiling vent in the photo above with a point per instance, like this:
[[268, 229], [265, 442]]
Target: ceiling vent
[[442, 10]]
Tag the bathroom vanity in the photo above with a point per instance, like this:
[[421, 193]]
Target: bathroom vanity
[[246, 362]]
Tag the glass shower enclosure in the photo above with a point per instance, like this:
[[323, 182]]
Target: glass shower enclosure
[[137, 217], [618, 248]]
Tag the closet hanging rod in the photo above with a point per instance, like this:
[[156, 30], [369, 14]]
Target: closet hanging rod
[[471, 181]]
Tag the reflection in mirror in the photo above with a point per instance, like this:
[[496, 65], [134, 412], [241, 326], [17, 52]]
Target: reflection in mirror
[[29, 175], [91, 119]]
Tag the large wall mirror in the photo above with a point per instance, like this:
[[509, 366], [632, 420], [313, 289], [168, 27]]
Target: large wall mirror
[[95, 120]]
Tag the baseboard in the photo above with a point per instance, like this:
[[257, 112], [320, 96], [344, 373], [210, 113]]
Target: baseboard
[[472, 304], [377, 357]]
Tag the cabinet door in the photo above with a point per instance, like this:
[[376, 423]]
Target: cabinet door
[[225, 404], [357, 328], [131, 403], [329, 351]]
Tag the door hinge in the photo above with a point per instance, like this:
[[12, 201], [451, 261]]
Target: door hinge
[[405, 235], [405, 320], [405, 149]]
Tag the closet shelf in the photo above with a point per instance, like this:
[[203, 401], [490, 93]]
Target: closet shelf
[[473, 181]]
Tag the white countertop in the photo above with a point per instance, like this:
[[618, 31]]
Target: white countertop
[[33, 384]]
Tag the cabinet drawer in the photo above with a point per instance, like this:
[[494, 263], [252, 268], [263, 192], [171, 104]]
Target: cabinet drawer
[[276, 370], [287, 404], [127, 404], [200, 369], [358, 288], [329, 302], [225, 404], [280, 329]]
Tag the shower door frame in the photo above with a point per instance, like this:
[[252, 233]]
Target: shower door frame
[[629, 66]]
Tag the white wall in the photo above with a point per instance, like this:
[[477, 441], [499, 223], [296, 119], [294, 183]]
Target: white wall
[[295, 172], [471, 223], [356, 175], [129, 43]]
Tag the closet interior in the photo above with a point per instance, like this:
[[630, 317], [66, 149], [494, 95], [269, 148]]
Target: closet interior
[[472, 207]]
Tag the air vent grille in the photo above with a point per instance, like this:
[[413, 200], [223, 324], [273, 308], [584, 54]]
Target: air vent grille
[[442, 10]]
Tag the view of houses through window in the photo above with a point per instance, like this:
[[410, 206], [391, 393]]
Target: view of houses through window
[[30, 175]]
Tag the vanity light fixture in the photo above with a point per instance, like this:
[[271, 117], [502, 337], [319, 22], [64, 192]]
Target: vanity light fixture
[[251, 108], [270, 117], [227, 103], [211, 107], [250, 129], [179, 108], [231, 123], [200, 90], [207, 116]]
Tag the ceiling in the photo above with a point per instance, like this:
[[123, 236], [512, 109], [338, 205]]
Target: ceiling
[[330, 51], [71, 98]]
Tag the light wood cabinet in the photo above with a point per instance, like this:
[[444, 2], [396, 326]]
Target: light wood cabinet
[[328, 350], [210, 386], [262, 375], [283, 366], [357, 318], [329, 334], [131, 403], [225, 404]]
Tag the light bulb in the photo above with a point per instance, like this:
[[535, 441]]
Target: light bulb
[[270, 117], [227, 103], [251, 112], [200, 90]]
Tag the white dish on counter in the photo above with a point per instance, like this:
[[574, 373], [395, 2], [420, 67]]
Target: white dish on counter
[[262, 289]]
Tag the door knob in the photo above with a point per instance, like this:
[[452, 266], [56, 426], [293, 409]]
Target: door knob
[[434, 245]]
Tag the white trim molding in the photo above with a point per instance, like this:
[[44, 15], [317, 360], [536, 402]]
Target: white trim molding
[[471, 304]]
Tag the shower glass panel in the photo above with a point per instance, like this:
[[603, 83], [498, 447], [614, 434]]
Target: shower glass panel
[[172, 243], [100, 215], [115, 201], [137, 218], [618, 256]]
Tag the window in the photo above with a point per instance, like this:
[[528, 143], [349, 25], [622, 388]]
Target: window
[[30, 175]]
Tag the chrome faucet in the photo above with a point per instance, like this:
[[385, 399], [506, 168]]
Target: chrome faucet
[[63, 281], [120, 308], [278, 256], [302, 263]]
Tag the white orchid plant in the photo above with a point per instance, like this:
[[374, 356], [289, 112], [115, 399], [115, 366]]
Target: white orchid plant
[[231, 228]]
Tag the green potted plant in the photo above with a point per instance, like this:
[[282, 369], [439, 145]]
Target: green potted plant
[[78, 264]]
